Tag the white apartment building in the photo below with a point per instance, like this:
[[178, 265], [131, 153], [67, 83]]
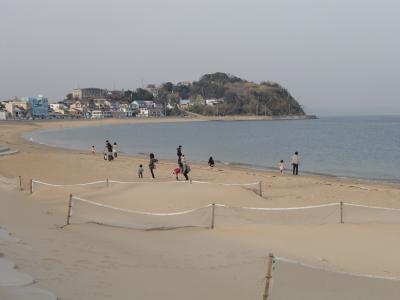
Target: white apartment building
[[58, 108], [89, 93]]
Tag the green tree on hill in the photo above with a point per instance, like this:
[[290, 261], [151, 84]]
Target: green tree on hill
[[242, 97]]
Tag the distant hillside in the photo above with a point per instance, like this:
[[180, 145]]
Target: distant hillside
[[213, 94], [233, 96]]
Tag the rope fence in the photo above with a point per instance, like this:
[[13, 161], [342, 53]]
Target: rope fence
[[223, 214], [86, 211], [313, 279], [286, 278], [310, 266], [253, 186]]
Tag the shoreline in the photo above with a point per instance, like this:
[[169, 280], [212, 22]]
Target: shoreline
[[249, 167], [236, 165]]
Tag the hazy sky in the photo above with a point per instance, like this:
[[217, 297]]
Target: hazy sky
[[335, 57]]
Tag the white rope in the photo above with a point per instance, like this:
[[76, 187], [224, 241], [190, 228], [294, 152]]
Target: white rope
[[76, 184], [226, 184], [280, 208], [288, 260], [186, 181], [138, 182], [128, 182], [372, 207], [140, 212], [237, 207], [239, 184], [217, 183]]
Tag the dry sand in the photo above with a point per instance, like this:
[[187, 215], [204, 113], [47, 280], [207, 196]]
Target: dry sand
[[89, 261]]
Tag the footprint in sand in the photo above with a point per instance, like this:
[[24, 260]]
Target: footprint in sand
[[5, 236], [15, 284], [9, 276], [26, 293]]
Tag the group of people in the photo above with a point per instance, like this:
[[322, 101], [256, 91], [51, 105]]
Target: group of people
[[183, 166], [110, 151], [152, 166], [295, 164]]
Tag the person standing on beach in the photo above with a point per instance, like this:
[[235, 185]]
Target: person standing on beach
[[152, 164], [140, 171], [105, 153], [179, 154], [281, 166], [211, 162], [185, 169], [115, 150], [93, 150], [295, 163], [110, 151]]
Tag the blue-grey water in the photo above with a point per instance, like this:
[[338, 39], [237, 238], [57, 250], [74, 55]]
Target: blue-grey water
[[361, 147]]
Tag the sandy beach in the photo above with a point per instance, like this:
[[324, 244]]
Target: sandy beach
[[92, 261]]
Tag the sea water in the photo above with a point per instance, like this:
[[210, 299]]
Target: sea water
[[361, 147]]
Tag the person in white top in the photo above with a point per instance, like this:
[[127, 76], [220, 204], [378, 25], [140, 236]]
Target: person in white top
[[281, 166], [295, 163]]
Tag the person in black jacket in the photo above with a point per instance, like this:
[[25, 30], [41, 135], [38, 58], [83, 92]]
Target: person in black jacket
[[110, 150], [211, 162], [179, 154]]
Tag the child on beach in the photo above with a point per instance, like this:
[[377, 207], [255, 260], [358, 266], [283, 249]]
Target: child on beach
[[141, 171], [115, 150], [176, 171], [281, 166], [93, 150], [105, 153]]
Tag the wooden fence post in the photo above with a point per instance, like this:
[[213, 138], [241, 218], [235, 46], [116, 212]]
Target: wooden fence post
[[269, 276], [260, 185], [69, 209], [20, 183], [212, 215], [341, 212], [31, 185]]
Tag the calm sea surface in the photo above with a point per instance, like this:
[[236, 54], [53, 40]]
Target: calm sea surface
[[361, 147]]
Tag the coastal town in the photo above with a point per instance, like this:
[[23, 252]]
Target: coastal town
[[95, 103], [216, 94]]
